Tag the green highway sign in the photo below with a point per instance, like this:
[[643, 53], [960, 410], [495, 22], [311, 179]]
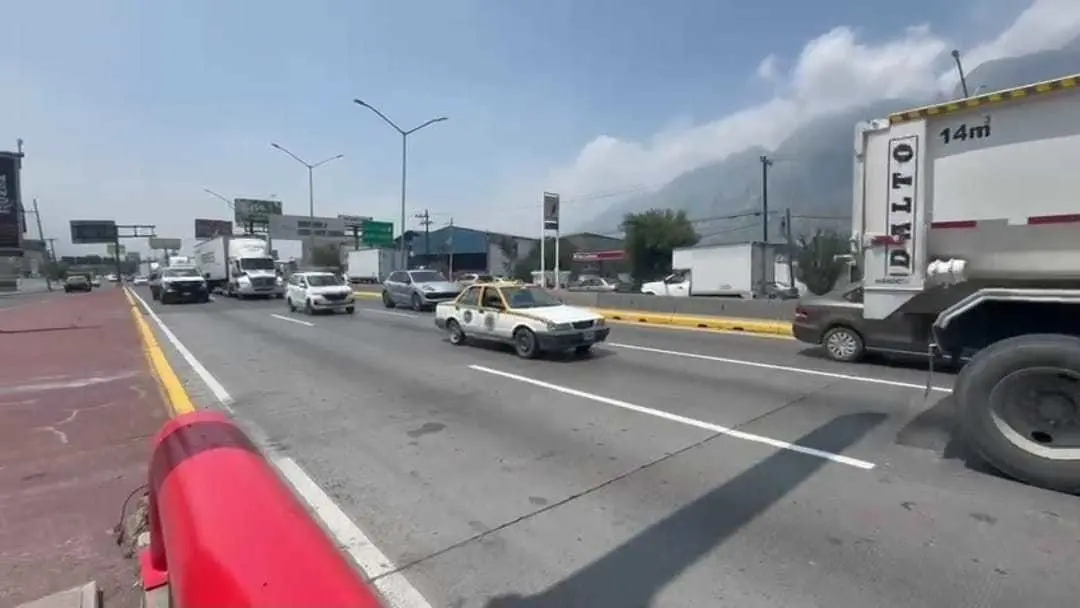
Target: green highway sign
[[377, 234]]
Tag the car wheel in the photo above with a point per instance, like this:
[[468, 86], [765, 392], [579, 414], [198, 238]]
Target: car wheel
[[350, 310], [417, 303], [457, 335], [292, 307], [525, 344], [387, 301], [843, 344], [308, 310]]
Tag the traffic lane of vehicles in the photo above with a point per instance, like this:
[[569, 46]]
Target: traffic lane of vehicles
[[764, 351], [732, 392], [725, 519]]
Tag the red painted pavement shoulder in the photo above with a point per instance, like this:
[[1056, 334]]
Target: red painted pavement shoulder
[[78, 407]]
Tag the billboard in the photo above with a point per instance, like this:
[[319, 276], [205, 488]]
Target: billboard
[[551, 211], [353, 221], [208, 229], [255, 211], [11, 228], [157, 242], [300, 227], [89, 232]]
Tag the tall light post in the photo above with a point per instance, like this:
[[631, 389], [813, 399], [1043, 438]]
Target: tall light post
[[405, 133], [311, 188]]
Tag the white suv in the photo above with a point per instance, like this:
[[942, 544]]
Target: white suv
[[313, 291]]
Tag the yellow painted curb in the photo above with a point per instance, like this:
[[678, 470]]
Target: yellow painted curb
[[370, 295], [177, 397], [730, 324]]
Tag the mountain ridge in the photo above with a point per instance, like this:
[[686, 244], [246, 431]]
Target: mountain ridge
[[724, 197]]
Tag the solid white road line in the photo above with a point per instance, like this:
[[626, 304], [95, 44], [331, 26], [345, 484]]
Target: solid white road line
[[291, 320], [395, 588], [376, 311], [204, 374], [708, 426], [778, 368]]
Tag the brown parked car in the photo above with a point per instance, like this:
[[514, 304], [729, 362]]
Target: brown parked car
[[835, 321]]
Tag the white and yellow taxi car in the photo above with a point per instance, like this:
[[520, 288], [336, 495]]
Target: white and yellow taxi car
[[524, 316]]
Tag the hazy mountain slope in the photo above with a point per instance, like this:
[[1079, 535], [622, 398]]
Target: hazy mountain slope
[[812, 171]]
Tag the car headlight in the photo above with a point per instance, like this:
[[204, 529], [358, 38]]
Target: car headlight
[[428, 288], [558, 326], [279, 281], [600, 322]]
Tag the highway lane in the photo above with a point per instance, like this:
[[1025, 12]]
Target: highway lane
[[540, 482]]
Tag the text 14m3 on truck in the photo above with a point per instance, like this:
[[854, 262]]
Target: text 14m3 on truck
[[966, 223]]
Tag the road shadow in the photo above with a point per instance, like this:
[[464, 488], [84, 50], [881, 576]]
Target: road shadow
[[633, 574], [901, 361], [596, 354]]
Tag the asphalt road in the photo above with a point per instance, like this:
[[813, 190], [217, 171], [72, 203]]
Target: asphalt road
[[670, 468]]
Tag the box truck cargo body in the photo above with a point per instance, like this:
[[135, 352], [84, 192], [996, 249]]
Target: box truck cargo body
[[735, 270], [239, 266], [370, 265]]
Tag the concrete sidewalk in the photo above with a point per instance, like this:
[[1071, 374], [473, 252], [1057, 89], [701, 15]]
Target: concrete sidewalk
[[78, 406]]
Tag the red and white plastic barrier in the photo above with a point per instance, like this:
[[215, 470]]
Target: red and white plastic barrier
[[227, 531]]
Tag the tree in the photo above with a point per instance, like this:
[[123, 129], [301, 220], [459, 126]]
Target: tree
[[327, 256], [819, 261], [651, 236], [509, 247], [524, 268]]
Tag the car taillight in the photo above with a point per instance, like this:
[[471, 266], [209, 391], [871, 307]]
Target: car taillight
[[801, 314]]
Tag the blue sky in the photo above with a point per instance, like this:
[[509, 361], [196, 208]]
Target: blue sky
[[130, 108]]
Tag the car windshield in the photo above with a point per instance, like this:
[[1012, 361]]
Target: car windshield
[[529, 297], [322, 280], [427, 276], [257, 264], [178, 272]]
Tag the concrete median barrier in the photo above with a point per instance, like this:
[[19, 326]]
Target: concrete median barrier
[[750, 326], [768, 317]]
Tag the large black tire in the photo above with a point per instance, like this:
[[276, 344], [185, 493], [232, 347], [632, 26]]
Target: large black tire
[[843, 344], [457, 335], [525, 343], [417, 303], [292, 307], [308, 309], [387, 301], [974, 393]]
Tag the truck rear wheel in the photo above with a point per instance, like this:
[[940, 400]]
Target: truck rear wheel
[[1019, 407]]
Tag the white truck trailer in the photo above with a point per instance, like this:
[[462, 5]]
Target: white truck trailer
[[239, 266], [734, 270], [967, 224], [370, 265]]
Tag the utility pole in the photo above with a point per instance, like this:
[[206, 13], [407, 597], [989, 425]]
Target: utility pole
[[790, 248], [766, 162], [425, 221], [450, 274], [41, 237]]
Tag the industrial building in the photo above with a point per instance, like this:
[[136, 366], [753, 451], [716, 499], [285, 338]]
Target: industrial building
[[490, 252]]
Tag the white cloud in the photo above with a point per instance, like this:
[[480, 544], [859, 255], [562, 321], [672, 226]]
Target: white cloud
[[769, 68], [835, 71]]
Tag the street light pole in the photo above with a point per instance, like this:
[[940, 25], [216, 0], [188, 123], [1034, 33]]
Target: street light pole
[[405, 133], [311, 189]]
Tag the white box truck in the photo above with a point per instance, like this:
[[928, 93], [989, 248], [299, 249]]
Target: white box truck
[[239, 267], [735, 270], [967, 224], [370, 265]]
